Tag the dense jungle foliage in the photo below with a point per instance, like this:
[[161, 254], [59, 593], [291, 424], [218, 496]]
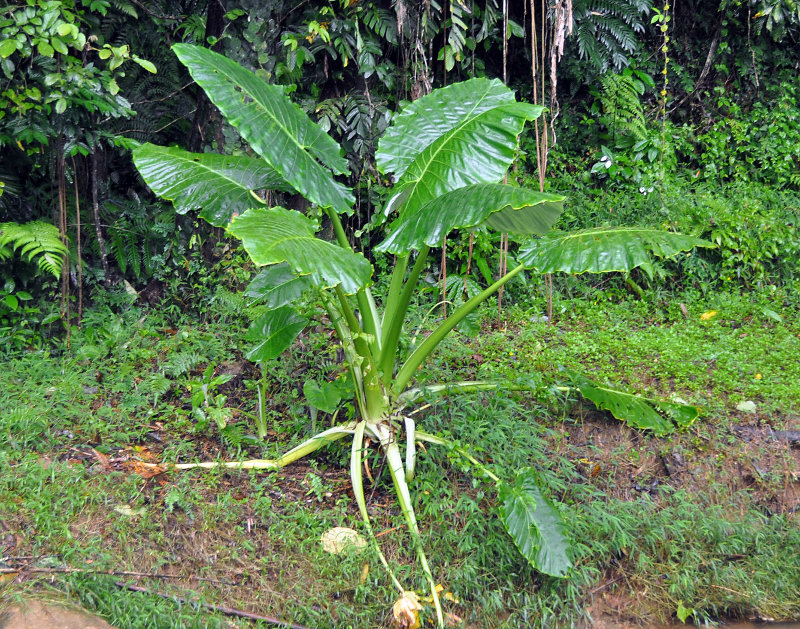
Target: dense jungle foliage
[[155, 153], [683, 116]]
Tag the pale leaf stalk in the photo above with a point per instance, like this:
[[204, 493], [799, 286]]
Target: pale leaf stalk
[[437, 336], [424, 436], [295, 454], [395, 464], [356, 477]]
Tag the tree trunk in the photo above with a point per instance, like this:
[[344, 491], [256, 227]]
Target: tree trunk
[[101, 244], [215, 23]]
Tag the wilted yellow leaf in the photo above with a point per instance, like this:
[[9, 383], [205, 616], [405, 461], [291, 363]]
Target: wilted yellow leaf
[[448, 596], [429, 599], [340, 538], [406, 611], [708, 314]]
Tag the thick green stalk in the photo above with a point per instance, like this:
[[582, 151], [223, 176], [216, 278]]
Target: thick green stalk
[[366, 304], [395, 288], [346, 339], [429, 344], [395, 317], [374, 395]]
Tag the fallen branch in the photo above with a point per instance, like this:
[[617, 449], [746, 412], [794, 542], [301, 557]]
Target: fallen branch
[[229, 611], [113, 573]]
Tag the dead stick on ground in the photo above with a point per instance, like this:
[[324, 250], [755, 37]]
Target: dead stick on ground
[[113, 573], [217, 608]]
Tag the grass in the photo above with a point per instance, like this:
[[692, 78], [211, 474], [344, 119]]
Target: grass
[[713, 535]]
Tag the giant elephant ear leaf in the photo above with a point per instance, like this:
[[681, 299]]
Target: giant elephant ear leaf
[[459, 135], [274, 235], [425, 120], [639, 412], [534, 524], [604, 249], [527, 211], [275, 128], [217, 185]]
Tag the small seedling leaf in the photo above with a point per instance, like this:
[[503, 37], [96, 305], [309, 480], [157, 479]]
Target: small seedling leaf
[[273, 333]]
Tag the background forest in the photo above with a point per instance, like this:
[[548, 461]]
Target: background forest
[[653, 111], [126, 326]]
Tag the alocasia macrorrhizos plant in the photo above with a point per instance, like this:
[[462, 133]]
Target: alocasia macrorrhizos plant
[[448, 153]]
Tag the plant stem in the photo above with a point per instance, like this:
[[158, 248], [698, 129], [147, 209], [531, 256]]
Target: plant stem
[[429, 344], [424, 436], [393, 297], [369, 313], [296, 453], [346, 339], [396, 316], [356, 477], [395, 463], [373, 390], [468, 386]]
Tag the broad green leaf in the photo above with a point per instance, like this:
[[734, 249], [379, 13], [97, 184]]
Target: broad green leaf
[[147, 65], [7, 48], [218, 185], [604, 249], [325, 398], [58, 45], [426, 119], [65, 29], [45, 48], [276, 128], [639, 412], [528, 211], [276, 235], [476, 144], [534, 524], [273, 333], [277, 286]]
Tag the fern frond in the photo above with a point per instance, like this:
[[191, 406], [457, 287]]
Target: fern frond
[[40, 242], [606, 30], [623, 113], [182, 363], [383, 23]]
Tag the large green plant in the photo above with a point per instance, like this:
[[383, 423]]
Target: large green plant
[[448, 152]]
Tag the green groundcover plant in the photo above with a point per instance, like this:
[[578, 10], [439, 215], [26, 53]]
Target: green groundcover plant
[[448, 153]]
